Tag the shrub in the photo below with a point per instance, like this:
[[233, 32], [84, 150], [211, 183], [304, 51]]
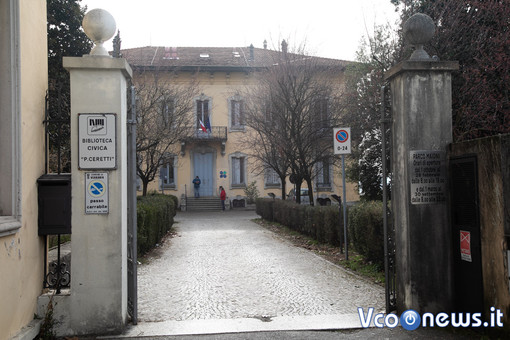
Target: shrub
[[155, 216], [366, 231], [264, 208], [320, 223], [251, 192], [333, 225], [325, 224]]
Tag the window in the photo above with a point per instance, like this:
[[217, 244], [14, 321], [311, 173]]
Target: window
[[272, 178], [267, 112], [324, 174], [171, 53], [167, 111], [236, 112], [321, 111], [167, 173], [10, 154], [138, 183], [202, 110], [238, 163]]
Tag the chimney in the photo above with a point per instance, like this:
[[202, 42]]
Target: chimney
[[265, 44], [252, 54], [284, 47]]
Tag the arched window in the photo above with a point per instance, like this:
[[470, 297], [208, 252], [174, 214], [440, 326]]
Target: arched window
[[238, 170], [272, 180], [203, 112], [236, 112], [167, 173]]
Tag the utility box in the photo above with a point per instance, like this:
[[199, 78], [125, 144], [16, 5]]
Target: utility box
[[54, 198]]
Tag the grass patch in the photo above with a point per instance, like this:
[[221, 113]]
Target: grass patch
[[53, 240], [356, 262]]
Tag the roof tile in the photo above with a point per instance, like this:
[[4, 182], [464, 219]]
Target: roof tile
[[157, 56]]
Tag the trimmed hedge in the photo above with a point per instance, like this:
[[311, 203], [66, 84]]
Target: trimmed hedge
[[325, 224], [322, 223], [264, 208], [155, 216], [366, 231]]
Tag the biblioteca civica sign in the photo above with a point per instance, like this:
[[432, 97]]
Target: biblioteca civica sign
[[97, 146]]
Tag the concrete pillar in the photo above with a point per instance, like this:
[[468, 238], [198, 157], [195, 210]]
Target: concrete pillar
[[97, 300], [422, 130], [99, 235]]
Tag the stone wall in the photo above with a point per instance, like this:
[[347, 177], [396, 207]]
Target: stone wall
[[493, 159]]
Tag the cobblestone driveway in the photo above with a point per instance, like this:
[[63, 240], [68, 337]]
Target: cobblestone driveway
[[223, 266]]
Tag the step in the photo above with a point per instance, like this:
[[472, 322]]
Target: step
[[203, 204]]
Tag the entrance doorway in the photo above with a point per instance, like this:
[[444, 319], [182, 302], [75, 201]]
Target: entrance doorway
[[466, 235], [204, 168]]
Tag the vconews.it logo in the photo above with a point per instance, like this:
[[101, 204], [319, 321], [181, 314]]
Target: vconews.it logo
[[411, 320]]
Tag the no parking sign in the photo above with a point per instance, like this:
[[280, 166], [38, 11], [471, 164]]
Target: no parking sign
[[342, 140], [96, 193]]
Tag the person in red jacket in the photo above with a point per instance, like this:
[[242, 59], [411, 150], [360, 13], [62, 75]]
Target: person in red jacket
[[223, 197]]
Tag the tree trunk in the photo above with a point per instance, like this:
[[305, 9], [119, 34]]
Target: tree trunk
[[310, 191], [297, 193], [145, 184], [283, 188]]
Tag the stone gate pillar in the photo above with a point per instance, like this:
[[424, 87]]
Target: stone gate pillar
[[422, 129], [98, 295]]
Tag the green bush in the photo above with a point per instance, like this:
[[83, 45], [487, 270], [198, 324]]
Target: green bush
[[155, 217], [264, 208], [320, 223], [366, 231], [176, 202], [251, 192], [325, 224]]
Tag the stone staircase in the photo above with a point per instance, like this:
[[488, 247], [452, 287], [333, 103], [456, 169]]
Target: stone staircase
[[203, 204]]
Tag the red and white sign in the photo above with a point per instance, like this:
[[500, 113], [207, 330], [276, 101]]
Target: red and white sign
[[465, 246]]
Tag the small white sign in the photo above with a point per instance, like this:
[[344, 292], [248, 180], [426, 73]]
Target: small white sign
[[427, 172], [342, 140], [97, 145], [96, 193]]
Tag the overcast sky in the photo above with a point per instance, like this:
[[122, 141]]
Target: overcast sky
[[331, 28]]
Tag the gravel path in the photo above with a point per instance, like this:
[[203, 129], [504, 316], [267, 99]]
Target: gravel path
[[221, 265]]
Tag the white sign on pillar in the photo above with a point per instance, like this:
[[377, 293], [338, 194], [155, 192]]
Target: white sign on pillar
[[97, 147], [96, 193]]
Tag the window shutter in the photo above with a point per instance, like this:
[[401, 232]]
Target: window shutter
[[235, 170], [241, 170], [171, 179], [241, 112], [162, 173]]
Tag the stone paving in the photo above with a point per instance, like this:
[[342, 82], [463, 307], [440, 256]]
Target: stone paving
[[221, 265]]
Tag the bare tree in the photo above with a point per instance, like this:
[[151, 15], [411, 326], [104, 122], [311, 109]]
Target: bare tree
[[265, 153], [292, 109], [164, 116]]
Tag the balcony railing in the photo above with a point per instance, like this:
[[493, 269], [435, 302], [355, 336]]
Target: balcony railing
[[217, 133]]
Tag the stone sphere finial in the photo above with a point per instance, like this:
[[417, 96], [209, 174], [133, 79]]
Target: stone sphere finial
[[419, 30], [99, 26]]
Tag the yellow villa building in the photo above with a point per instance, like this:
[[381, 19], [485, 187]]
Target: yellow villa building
[[218, 155]]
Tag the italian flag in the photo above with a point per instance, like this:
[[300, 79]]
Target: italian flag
[[202, 126]]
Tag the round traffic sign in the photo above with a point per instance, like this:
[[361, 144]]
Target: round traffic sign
[[96, 188], [342, 136]]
